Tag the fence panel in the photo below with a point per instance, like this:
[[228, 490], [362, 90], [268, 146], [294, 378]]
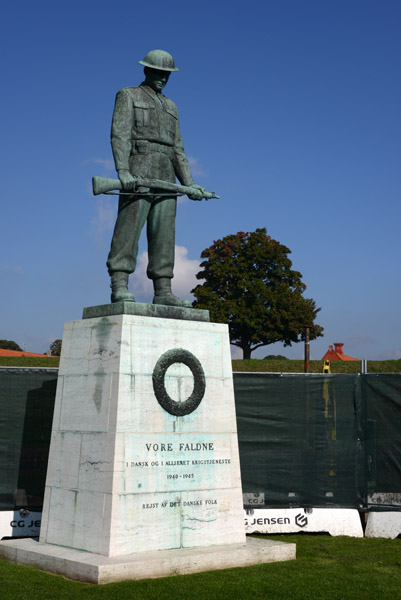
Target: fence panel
[[299, 439], [26, 413]]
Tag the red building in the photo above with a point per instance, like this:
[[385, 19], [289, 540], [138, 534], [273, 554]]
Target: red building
[[337, 353], [4, 352]]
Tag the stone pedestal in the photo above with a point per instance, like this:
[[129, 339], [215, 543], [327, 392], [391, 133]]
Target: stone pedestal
[[144, 452], [127, 472]]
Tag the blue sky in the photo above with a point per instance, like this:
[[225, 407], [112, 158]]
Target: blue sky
[[290, 111]]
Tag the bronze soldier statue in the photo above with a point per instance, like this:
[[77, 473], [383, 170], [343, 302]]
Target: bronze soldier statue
[[146, 142]]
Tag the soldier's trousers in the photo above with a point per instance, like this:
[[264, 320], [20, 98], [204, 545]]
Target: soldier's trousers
[[159, 214]]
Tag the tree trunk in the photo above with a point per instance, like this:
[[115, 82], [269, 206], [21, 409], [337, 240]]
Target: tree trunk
[[246, 350]]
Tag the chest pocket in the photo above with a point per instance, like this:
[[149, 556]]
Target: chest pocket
[[171, 122], [144, 115]]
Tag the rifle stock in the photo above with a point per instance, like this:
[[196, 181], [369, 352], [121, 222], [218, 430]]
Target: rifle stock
[[101, 185]]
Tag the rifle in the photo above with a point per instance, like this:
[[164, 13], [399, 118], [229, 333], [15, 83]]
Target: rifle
[[105, 185]]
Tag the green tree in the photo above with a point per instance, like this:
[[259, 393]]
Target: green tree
[[55, 348], [9, 345], [249, 284]]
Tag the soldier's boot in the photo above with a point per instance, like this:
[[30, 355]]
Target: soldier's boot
[[119, 288], [164, 295]]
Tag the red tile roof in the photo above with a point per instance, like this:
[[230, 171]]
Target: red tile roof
[[4, 352], [337, 353]]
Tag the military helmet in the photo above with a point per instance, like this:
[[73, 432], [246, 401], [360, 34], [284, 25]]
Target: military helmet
[[160, 60]]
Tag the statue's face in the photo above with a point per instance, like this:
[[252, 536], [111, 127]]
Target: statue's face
[[156, 79]]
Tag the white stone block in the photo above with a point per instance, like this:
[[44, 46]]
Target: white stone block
[[86, 402], [214, 520], [107, 337], [75, 352], [386, 524], [101, 467], [335, 521], [64, 459], [144, 522], [61, 507], [91, 512], [58, 403], [138, 409]]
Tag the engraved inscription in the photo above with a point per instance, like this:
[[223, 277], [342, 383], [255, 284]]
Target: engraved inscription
[[177, 463], [183, 503]]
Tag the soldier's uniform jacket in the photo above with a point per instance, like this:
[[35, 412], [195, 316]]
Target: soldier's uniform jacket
[[146, 137]]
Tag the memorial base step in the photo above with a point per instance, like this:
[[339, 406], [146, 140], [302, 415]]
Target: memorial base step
[[96, 568]]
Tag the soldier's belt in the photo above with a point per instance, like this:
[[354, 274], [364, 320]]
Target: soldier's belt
[[147, 146]]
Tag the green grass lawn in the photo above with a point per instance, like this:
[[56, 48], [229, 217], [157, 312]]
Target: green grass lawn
[[326, 568], [316, 366], [29, 361]]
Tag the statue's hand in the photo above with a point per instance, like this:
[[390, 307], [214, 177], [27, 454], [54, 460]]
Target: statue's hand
[[128, 181], [198, 193]]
